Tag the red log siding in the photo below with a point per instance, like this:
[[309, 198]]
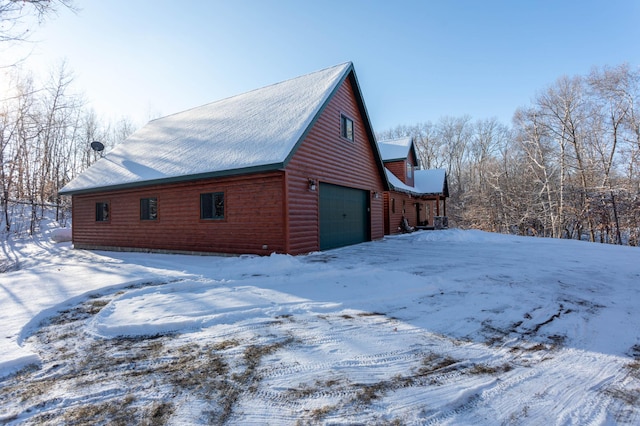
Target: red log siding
[[254, 217], [405, 206], [387, 212], [327, 157], [399, 169]]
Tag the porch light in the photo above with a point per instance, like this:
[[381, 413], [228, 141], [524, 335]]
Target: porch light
[[312, 185]]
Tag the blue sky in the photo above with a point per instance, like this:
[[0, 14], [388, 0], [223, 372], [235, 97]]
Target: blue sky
[[416, 61]]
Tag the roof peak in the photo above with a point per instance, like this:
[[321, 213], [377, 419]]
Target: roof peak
[[343, 66]]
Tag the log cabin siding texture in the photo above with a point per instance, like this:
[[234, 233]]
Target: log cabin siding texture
[[253, 217], [325, 156], [387, 212], [399, 169], [405, 205]]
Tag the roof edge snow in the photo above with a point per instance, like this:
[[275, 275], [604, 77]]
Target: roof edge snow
[[176, 179], [429, 182]]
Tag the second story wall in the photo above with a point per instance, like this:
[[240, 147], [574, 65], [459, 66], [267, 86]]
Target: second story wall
[[325, 156]]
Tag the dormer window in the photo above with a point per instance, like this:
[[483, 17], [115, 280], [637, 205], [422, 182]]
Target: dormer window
[[409, 170], [346, 127]]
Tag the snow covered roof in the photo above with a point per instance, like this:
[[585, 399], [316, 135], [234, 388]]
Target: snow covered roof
[[255, 131], [398, 185], [426, 182], [433, 181], [395, 149]]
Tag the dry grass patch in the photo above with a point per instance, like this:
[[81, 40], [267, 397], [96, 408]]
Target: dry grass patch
[[628, 396], [433, 363], [488, 369], [371, 314], [226, 344]]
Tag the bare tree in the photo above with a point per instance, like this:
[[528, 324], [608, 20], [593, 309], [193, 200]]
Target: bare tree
[[17, 17], [615, 93], [483, 172], [429, 145], [543, 164], [45, 137], [455, 133]]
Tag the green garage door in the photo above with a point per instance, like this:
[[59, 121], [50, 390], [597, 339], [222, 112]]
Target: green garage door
[[344, 216]]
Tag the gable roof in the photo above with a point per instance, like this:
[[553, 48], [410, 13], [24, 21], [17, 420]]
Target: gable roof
[[255, 131], [432, 181], [397, 149]]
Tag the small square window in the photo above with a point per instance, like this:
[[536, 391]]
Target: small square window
[[212, 205], [148, 208], [346, 127], [102, 211]]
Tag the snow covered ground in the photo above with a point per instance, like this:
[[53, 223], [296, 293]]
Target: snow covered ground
[[439, 327]]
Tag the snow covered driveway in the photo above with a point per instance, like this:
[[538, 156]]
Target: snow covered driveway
[[446, 327]]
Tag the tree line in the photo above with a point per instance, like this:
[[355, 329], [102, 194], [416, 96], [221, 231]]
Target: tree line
[[568, 167], [46, 130]]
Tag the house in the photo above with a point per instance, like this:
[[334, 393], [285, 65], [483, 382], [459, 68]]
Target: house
[[417, 198], [289, 168]]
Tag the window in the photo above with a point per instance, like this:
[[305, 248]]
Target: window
[[212, 205], [346, 127], [102, 211], [148, 208], [409, 170], [393, 205]]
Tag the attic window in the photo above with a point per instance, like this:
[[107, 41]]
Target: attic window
[[346, 127], [102, 211], [148, 208], [212, 205], [409, 170]]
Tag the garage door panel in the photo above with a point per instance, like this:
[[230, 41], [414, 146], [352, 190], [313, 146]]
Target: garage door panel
[[344, 216]]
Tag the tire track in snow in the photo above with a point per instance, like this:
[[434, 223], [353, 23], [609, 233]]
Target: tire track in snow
[[521, 388], [484, 394]]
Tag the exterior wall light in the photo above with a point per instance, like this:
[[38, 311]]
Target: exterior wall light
[[312, 185]]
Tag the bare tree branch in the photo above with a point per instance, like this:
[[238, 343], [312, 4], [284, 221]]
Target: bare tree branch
[[17, 16]]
